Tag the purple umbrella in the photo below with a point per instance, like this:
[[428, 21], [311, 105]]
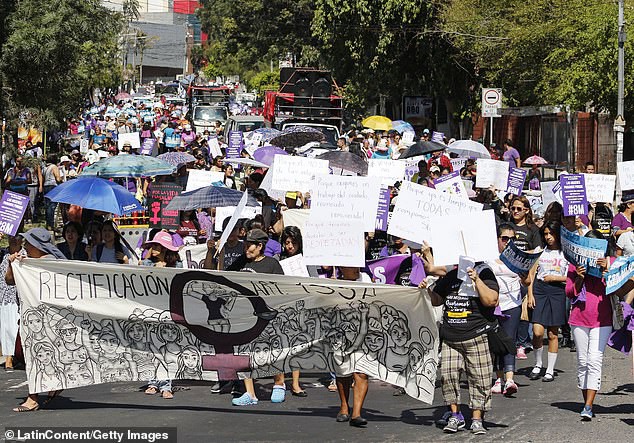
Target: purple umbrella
[[265, 154]]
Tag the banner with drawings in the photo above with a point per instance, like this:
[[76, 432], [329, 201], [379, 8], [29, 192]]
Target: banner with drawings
[[87, 324]]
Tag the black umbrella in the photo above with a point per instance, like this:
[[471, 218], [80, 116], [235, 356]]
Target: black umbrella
[[296, 136], [421, 148], [345, 160]]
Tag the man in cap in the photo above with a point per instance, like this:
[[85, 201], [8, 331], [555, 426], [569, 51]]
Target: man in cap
[[425, 136]]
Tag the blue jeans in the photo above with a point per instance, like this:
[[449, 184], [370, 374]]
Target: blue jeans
[[161, 385], [510, 326], [50, 208]]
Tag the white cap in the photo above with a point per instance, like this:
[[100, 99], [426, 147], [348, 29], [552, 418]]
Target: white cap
[[64, 159]]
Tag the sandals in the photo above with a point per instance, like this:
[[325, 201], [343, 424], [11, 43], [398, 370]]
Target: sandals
[[301, 393], [332, 387], [167, 395], [151, 390], [23, 408], [548, 378]]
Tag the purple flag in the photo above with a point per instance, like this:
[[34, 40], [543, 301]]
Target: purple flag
[[418, 270], [12, 209], [384, 270], [573, 194]]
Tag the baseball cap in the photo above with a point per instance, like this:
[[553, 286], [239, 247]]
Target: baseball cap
[[257, 236]]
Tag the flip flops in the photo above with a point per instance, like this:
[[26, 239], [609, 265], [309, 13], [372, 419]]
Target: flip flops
[[23, 408]]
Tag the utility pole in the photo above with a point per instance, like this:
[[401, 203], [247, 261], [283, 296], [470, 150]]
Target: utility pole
[[619, 123]]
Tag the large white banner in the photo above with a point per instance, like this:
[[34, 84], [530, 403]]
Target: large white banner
[[98, 323], [417, 204]]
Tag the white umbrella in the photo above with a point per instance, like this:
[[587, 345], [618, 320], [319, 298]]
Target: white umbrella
[[246, 161], [469, 148]]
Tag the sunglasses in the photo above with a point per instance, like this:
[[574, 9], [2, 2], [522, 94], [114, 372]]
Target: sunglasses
[[505, 238], [517, 209]]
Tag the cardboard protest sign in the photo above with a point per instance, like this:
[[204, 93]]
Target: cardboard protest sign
[[133, 138], [600, 187], [389, 171], [517, 260], [233, 220], [291, 173], [345, 198], [340, 243], [551, 192], [222, 212], [410, 171], [214, 147], [193, 256], [417, 204], [159, 196], [620, 272], [216, 325], [294, 266], [201, 179], [408, 137], [12, 209], [573, 194], [236, 144], [458, 163], [384, 270], [583, 251], [296, 217], [625, 173], [515, 183], [452, 237], [451, 183], [267, 185], [382, 210], [492, 173]]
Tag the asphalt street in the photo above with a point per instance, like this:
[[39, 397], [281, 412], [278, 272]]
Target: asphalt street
[[538, 412]]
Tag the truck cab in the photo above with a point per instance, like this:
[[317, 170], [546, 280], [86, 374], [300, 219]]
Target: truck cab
[[208, 105]]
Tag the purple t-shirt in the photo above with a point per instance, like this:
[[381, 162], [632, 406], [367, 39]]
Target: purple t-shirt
[[510, 156], [620, 222]]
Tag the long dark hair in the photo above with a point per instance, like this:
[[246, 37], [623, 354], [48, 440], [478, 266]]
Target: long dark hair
[[529, 213], [554, 226], [294, 234]]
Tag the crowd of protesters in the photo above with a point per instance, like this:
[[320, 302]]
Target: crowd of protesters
[[502, 305]]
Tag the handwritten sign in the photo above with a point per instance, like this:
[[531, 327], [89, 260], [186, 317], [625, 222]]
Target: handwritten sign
[[345, 198], [625, 172], [458, 163], [12, 209], [222, 212], [583, 251], [292, 173], [573, 194], [132, 138], [214, 147], [200, 179], [389, 171], [294, 266], [515, 183], [334, 243], [193, 256], [600, 187], [492, 173], [159, 196], [452, 183], [416, 205]]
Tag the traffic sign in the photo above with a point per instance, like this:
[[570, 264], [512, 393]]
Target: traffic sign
[[491, 102]]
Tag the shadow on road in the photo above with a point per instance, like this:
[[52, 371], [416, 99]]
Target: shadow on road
[[597, 408]]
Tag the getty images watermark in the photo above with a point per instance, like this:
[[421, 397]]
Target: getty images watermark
[[83, 435]]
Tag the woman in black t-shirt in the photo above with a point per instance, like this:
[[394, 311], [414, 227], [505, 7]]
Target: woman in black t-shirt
[[527, 237]]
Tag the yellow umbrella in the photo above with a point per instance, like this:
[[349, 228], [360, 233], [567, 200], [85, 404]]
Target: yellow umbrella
[[378, 123]]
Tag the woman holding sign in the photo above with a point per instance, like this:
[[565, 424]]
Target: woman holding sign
[[547, 298], [591, 322]]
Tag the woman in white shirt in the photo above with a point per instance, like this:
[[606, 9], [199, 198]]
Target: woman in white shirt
[[510, 305], [547, 298]]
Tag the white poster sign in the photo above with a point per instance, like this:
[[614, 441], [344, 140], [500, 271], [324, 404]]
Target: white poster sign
[[294, 266], [416, 205], [452, 184], [625, 172], [193, 256], [296, 217], [214, 147], [200, 179], [334, 243], [600, 187], [233, 220], [227, 211], [291, 173], [492, 173], [452, 237], [338, 198], [389, 171], [551, 192], [132, 138], [458, 163]]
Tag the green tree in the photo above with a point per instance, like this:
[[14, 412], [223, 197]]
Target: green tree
[[56, 51], [265, 81]]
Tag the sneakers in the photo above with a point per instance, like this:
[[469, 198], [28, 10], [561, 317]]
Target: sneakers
[[279, 394], [586, 413], [497, 387], [521, 353], [244, 400], [535, 373], [454, 423], [477, 427], [215, 388], [442, 421], [510, 388]]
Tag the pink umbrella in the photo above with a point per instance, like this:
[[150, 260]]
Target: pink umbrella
[[535, 160]]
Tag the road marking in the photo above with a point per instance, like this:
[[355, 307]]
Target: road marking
[[19, 385]]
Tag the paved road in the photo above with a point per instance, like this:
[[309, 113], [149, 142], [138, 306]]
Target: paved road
[[540, 411]]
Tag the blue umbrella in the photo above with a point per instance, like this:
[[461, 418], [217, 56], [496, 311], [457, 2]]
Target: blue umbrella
[[96, 193], [129, 166], [208, 197], [177, 158], [402, 126], [265, 154]]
